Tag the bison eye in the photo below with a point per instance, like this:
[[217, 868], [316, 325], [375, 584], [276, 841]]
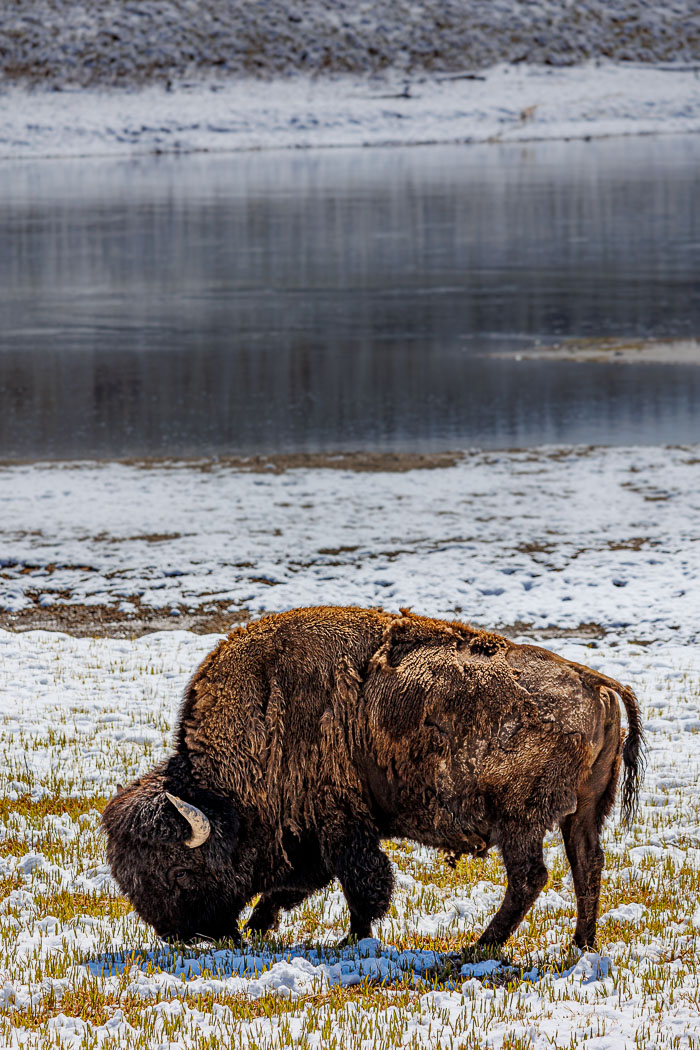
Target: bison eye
[[181, 877]]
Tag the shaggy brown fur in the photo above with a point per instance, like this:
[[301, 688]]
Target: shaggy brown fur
[[309, 736]]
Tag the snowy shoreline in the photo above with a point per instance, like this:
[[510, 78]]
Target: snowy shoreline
[[595, 542], [506, 103]]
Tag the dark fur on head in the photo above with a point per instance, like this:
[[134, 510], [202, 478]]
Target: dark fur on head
[[180, 891]]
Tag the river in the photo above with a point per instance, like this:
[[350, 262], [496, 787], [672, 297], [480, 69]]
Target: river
[[345, 299]]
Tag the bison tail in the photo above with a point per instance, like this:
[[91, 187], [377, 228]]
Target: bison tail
[[633, 756]]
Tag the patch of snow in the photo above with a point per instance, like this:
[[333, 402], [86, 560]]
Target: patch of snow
[[625, 913]]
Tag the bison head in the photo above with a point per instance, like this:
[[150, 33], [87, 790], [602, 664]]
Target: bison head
[[171, 846]]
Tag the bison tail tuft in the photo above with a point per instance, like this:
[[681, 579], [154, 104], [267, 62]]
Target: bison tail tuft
[[634, 754]]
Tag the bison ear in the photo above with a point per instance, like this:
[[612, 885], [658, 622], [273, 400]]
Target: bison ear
[[142, 813]]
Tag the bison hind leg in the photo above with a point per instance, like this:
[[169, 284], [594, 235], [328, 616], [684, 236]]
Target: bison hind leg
[[527, 876], [586, 858], [581, 833]]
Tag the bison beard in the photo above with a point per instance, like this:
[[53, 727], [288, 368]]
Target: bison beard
[[306, 738]]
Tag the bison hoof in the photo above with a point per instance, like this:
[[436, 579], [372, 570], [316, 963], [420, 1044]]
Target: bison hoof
[[353, 937]]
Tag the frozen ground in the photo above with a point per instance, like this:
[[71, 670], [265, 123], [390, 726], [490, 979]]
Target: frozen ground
[[509, 104], [59, 42], [551, 537]]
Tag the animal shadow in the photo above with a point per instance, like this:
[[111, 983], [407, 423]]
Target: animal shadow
[[299, 966], [262, 967]]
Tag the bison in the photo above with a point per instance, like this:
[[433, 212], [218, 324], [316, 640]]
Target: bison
[[307, 737]]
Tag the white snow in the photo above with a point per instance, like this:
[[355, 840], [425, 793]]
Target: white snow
[[511, 104]]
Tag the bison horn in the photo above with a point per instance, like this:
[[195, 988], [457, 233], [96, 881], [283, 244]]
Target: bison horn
[[201, 828]]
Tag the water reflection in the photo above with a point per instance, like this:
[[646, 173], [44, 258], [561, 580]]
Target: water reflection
[[344, 299]]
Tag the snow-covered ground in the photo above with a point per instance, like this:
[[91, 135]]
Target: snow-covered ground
[[554, 537], [512, 103], [546, 536]]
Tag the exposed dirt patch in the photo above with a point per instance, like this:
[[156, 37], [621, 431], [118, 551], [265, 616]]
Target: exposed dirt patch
[[583, 630], [535, 547], [337, 550], [214, 617], [108, 621], [148, 537], [635, 543], [647, 492], [358, 462]]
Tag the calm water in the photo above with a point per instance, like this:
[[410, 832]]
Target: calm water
[[344, 299]]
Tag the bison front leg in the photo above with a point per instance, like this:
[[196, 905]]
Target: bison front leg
[[365, 874], [266, 913], [527, 876]]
